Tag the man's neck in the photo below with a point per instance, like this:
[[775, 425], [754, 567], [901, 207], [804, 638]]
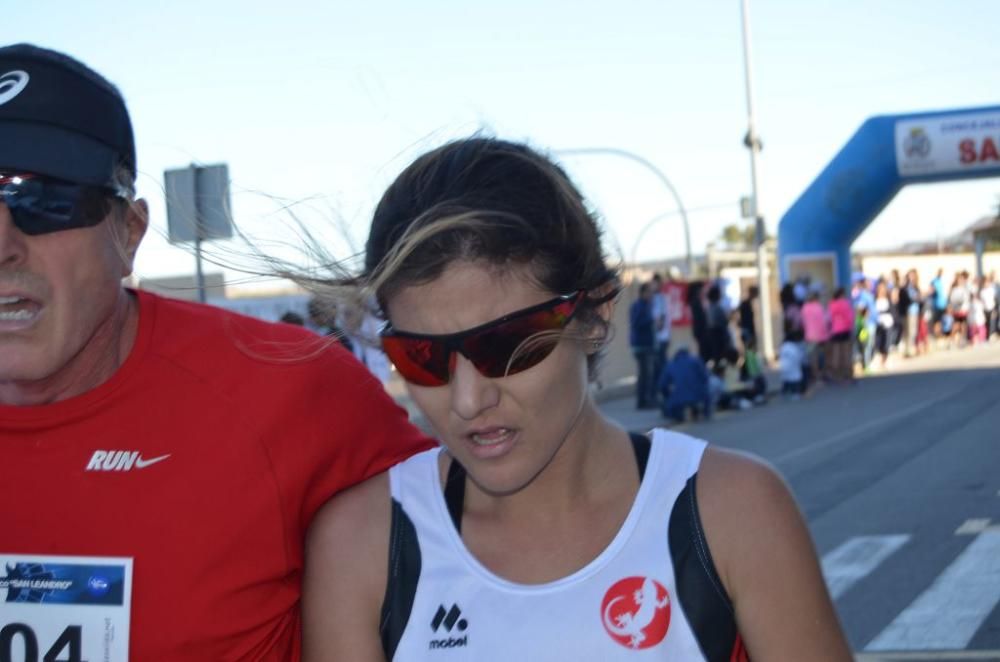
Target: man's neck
[[100, 358]]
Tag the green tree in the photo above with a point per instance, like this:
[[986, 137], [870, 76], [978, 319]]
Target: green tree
[[739, 235]]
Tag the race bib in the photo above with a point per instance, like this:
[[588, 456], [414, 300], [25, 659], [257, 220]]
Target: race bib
[[64, 608]]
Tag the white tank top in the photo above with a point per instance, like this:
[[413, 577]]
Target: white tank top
[[652, 594]]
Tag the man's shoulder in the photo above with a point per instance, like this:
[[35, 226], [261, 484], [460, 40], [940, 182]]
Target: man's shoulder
[[194, 318], [201, 336]]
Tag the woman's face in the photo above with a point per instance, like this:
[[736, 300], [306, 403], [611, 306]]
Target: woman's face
[[504, 430]]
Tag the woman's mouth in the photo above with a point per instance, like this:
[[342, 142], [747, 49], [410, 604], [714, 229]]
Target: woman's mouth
[[491, 442], [490, 437]]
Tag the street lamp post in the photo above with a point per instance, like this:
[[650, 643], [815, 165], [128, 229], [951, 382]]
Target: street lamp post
[[635, 158], [753, 143]]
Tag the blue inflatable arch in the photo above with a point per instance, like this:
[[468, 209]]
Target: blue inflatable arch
[[885, 154]]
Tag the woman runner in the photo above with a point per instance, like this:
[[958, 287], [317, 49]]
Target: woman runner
[[541, 530]]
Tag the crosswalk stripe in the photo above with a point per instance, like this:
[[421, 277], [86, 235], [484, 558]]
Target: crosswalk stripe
[[948, 614], [856, 558]]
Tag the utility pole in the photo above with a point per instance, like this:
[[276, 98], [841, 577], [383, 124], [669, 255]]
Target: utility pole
[[752, 141]]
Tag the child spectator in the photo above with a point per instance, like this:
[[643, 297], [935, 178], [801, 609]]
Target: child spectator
[[791, 358], [863, 331], [948, 325], [752, 373], [977, 319], [684, 385]]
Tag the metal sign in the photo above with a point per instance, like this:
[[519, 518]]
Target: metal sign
[[198, 205]]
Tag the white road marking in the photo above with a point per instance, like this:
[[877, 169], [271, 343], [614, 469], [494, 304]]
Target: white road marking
[[858, 557], [973, 526], [947, 615]]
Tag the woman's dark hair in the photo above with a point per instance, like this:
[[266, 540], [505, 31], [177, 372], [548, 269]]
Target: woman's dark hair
[[839, 293], [494, 201], [787, 295]]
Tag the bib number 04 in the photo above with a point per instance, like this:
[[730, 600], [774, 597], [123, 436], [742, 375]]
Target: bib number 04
[[20, 637]]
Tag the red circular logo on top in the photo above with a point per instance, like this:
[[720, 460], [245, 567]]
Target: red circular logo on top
[[636, 612]]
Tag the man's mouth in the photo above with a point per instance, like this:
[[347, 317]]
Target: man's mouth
[[18, 309]]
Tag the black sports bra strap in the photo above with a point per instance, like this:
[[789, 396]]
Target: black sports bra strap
[[454, 493], [641, 444]]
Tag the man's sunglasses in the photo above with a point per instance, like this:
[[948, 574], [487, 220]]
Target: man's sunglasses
[[39, 204], [508, 345]]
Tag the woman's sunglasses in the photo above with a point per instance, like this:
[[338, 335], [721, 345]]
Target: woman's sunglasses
[[505, 346], [39, 204]]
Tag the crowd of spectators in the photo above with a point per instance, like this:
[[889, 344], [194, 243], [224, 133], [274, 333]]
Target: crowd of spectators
[[827, 337], [867, 328], [724, 372]]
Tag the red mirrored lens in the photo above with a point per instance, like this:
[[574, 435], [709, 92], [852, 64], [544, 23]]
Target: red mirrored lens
[[503, 347], [420, 361], [518, 344]]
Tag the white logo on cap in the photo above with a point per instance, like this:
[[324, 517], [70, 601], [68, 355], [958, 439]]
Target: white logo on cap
[[11, 84]]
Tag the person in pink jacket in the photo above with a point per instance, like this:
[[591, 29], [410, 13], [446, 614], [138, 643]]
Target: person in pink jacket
[[817, 333], [841, 365]]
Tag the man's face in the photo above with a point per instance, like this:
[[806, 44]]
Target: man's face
[[58, 294]]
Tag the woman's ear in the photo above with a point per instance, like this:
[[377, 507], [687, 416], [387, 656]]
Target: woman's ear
[[606, 297]]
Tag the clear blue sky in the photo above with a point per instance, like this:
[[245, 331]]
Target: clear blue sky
[[327, 101]]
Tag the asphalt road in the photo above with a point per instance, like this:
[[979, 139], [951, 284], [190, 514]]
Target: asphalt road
[[899, 479]]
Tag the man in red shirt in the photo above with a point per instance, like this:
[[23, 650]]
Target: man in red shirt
[[162, 460]]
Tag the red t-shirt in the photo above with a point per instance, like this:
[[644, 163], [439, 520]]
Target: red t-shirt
[[257, 426]]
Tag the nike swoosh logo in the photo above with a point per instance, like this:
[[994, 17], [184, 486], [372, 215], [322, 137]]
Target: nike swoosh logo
[[142, 464]]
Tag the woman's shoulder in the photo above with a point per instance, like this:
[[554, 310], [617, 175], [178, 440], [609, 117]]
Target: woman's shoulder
[[766, 559], [353, 526], [346, 574], [731, 474], [747, 509]]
